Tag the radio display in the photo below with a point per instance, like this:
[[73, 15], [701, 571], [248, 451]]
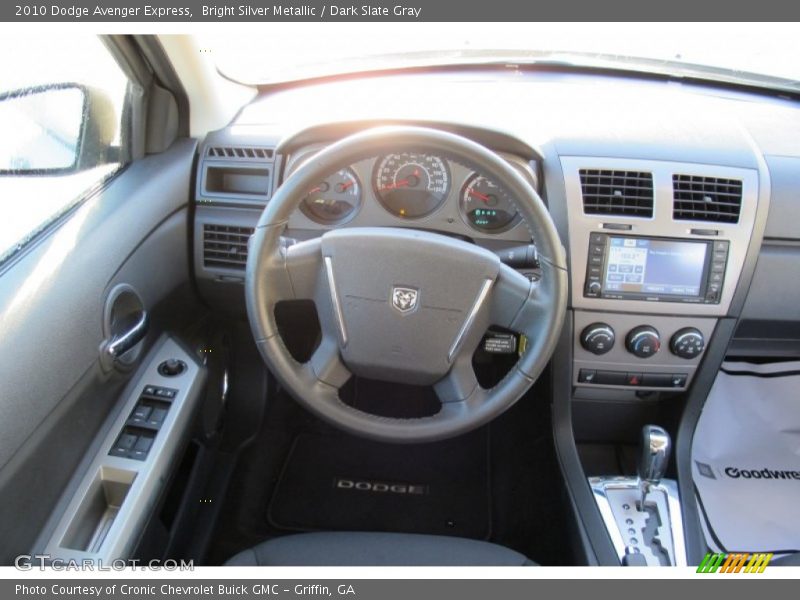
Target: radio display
[[655, 267]]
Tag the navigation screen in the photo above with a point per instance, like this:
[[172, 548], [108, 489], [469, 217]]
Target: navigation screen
[[663, 267]]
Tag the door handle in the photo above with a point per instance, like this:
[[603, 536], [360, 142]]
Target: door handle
[[122, 342]]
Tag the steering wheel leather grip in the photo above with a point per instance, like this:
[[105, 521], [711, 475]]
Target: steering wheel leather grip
[[449, 291]]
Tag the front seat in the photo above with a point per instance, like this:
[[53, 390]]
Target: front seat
[[343, 549]]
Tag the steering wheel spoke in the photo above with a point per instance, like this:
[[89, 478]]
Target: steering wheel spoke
[[326, 363], [511, 296], [304, 265], [460, 384]]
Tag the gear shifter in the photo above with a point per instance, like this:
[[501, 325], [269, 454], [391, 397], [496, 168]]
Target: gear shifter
[[654, 451], [643, 514]]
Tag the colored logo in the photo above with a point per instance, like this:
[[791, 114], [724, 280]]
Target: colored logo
[[737, 562]]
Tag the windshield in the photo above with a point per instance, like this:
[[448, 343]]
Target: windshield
[[746, 52]]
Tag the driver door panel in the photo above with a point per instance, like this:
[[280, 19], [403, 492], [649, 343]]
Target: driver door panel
[[55, 394]]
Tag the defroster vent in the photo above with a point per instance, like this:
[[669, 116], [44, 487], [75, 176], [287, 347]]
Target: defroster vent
[[617, 193], [240, 152], [225, 246], [706, 199]]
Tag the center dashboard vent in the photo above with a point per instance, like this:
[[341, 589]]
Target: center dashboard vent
[[698, 198], [617, 193], [225, 246]]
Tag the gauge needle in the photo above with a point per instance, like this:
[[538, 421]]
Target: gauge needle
[[396, 184], [478, 195], [347, 185], [315, 190]]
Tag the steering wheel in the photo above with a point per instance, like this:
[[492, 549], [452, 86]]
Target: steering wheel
[[400, 304]]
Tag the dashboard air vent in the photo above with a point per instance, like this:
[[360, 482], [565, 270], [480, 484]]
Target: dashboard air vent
[[706, 199], [617, 193], [239, 152], [225, 246]]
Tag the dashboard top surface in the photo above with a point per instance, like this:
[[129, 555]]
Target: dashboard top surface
[[579, 115]]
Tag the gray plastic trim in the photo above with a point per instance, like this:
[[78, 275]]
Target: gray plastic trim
[[776, 279], [706, 374], [144, 479], [593, 533], [784, 211]]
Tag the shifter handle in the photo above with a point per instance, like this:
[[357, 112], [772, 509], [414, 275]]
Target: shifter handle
[[654, 452]]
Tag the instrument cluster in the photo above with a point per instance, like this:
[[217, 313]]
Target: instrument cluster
[[413, 186]]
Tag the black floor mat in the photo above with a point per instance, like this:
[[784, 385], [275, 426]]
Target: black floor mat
[[345, 483], [529, 508]]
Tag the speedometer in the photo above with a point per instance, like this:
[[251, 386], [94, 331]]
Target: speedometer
[[411, 185]]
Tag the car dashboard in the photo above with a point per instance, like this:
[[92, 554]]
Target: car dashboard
[[660, 192]]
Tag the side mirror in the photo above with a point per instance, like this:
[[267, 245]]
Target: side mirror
[[56, 129]]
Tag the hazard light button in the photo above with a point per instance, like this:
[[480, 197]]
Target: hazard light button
[[633, 379]]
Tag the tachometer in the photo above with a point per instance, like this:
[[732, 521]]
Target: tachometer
[[334, 200], [411, 185], [486, 206]]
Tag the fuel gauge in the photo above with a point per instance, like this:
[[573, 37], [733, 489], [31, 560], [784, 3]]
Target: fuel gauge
[[334, 200], [486, 206]]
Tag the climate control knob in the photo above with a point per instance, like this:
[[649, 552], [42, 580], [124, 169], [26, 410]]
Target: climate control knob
[[598, 338], [687, 343], [643, 341]]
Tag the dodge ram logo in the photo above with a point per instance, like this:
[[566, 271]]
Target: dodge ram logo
[[404, 299]]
